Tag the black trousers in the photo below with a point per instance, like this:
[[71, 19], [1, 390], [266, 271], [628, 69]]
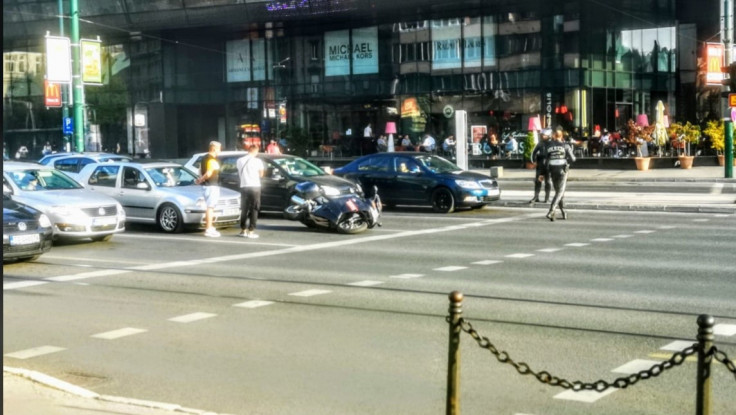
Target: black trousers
[[541, 171], [250, 204], [558, 174]]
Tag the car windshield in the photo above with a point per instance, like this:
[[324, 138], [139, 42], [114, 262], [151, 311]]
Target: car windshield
[[36, 180], [170, 176], [437, 164], [299, 167]]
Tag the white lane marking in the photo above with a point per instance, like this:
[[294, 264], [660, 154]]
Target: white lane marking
[[34, 352], [577, 244], [701, 220], [584, 396], [310, 293], [677, 345], [366, 283], [225, 239], [622, 236], [407, 276], [724, 329], [635, 366], [667, 227], [91, 274], [253, 304], [116, 334], [22, 284], [549, 250], [601, 239], [519, 255], [188, 318], [450, 268], [645, 231], [284, 251], [487, 262]]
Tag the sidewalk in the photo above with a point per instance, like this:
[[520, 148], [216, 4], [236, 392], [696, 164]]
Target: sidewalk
[[700, 189], [27, 392]]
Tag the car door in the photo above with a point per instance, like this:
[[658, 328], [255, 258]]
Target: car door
[[275, 187], [411, 181], [136, 195], [104, 179], [229, 175]]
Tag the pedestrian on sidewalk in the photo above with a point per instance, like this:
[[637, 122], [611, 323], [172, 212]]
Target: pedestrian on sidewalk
[[250, 171], [539, 155], [210, 176], [559, 158]]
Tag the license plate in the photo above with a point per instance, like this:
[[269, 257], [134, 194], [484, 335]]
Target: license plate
[[105, 221], [24, 239], [230, 212]]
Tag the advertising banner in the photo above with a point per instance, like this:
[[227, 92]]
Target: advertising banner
[[91, 62], [237, 54], [58, 60], [714, 62], [259, 59], [52, 94], [337, 53]]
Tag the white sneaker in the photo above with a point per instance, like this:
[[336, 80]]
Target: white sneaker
[[252, 235], [211, 233], [243, 234]]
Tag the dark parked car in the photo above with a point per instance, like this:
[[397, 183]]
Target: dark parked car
[[27, 232], [283, 172], [408, 178]]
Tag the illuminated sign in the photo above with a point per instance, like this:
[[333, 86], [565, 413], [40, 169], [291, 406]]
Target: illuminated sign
[[91, 62], [714, 63], [58, 59], [52, 94]]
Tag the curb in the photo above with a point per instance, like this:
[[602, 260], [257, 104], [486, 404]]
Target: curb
[[628, 207], [80, 392]]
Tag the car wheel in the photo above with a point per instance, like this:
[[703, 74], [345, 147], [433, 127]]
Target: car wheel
[[102, 238], [443, 201], [353, 224], [169, 218]]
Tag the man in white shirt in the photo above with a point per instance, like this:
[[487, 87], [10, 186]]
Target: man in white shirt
[[428, 144], [368, 131], [250, 171]]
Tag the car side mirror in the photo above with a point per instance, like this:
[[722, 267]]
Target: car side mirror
[[142, 186], [276, 175]]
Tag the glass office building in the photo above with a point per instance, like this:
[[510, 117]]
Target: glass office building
[[177, 74]]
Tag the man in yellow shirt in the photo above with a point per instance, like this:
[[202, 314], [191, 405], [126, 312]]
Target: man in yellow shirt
[[210, 170]]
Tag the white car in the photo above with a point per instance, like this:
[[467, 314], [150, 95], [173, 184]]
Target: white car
[[161, 193], [74, 211]]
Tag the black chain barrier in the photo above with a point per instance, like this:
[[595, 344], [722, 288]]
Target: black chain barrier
[[677, 359], [723, 358]]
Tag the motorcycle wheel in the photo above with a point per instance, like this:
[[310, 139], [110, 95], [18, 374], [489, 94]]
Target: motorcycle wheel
[[352, 224]]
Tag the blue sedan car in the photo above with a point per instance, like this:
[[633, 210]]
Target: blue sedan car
[[409, 178]]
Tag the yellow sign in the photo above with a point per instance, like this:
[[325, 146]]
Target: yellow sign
[[732, 100], [714, 62], [91, 62]]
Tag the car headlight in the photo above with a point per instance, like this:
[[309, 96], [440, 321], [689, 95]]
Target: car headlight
[[330, 191], [468, 184], [44, 222]]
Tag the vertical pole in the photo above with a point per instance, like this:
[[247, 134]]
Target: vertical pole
[[77, 87], [705, 340], [728, 156], [64, 87], [453, 359]]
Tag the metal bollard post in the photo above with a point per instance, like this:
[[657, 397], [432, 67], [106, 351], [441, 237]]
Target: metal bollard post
[[705, 338], [453, 359]]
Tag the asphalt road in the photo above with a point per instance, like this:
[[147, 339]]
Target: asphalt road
[[305, 322]]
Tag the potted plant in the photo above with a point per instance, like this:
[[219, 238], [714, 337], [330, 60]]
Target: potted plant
[[716, 131], [529, 143], [688, 134], [631, 137]]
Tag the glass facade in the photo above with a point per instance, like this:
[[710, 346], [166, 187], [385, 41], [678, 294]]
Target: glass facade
[[177, 74]]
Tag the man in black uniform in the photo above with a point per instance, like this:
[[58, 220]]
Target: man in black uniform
[[559, 157], [539, 155]]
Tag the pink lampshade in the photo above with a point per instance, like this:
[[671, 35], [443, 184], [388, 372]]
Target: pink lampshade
[[390, 127], [642, 120], [666, 121], [535, 124]]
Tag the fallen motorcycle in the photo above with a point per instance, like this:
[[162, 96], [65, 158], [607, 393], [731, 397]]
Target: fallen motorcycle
[[348, 214]]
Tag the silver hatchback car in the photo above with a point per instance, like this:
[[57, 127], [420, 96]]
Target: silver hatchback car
[[161, 193], [75, 212]]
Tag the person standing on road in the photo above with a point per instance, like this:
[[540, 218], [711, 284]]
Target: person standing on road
[[539, 155], [250, 171], [559, 157], [210, 170]]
